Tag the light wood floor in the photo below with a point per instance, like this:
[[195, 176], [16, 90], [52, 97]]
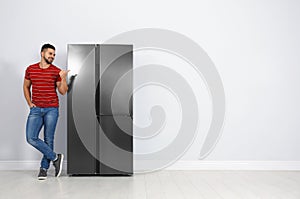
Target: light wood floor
[[163, 184]]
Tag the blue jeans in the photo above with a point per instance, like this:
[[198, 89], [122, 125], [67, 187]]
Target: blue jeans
[[37, 118]]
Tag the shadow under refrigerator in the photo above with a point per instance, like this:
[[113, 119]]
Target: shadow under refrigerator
[[99, 140]]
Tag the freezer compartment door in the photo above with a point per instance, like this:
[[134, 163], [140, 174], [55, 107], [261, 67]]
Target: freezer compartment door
[[80, 160], [115, 65], [116, 145], [82, 121]]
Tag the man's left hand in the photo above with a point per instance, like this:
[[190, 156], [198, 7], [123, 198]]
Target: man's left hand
[[63, 74]]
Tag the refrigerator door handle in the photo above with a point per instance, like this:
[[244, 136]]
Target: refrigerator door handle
[[97, 99], [71, 82], [130, 107]]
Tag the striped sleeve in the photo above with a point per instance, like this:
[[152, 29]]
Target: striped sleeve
[[27, 76], [58, 79]]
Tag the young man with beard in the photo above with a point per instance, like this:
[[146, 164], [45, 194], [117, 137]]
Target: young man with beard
[[40, 84]]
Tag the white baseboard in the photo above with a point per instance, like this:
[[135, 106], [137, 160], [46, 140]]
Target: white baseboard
[[23, 165], [183, 165], [235, 165]]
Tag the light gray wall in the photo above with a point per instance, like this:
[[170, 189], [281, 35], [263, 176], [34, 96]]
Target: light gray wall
[[255, 46]]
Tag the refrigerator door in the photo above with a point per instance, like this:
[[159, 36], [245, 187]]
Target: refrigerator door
[[116, 145], [99, 136], [115, 65], [82, 121]]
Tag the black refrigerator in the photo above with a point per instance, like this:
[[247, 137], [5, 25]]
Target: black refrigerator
[[100, 118]]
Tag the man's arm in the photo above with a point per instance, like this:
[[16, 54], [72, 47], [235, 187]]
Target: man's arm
[[62, 86], [27, 93]]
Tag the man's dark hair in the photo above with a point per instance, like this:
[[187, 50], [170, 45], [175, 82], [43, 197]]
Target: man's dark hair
[[45, 46]]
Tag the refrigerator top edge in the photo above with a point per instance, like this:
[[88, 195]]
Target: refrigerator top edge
[[106, 44], [82, 44], [98, 44]]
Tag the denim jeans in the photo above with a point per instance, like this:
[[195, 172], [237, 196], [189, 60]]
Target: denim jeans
[[37, 118]]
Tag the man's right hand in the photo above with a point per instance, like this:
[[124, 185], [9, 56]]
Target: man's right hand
[[32, 105]]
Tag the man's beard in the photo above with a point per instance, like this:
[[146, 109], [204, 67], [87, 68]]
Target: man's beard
[[48, 61]]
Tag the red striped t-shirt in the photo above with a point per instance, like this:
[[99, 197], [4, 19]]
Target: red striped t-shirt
[[43, 82]]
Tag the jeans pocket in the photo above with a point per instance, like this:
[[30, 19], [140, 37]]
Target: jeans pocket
[[34, 108]]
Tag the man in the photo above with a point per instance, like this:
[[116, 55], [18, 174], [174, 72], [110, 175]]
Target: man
[[44, 78]]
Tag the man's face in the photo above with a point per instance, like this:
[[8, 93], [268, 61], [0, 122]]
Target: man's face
[[48, 55]]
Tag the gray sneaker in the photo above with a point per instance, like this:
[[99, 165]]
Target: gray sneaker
[[42, 174], [58, 164]]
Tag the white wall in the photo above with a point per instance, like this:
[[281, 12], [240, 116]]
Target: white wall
[[255, 46]]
